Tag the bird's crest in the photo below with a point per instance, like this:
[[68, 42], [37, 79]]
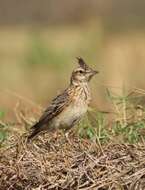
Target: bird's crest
[[82, 63]]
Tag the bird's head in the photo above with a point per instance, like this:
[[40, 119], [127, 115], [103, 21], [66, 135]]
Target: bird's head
[[83, 73]]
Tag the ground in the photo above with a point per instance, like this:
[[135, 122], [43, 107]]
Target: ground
[[51, 162]]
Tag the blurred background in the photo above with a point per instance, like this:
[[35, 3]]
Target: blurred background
[[39, 41]]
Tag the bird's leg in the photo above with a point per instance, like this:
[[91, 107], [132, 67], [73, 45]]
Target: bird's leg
[[68, 130], [67, 136], [55, 134]]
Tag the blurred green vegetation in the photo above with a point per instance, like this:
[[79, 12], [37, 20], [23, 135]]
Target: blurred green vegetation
[[42, 54], [3, 128], [54, 51]]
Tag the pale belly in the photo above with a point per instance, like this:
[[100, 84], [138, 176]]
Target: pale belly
[[70, 116]]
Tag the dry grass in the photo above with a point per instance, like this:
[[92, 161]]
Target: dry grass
[[52, 162]]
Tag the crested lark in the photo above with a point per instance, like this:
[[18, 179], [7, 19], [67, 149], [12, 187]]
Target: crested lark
[[68, 107]]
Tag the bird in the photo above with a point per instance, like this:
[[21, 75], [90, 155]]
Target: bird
[[66, 110]]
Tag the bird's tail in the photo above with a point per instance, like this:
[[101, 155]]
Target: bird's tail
[[35, 130]]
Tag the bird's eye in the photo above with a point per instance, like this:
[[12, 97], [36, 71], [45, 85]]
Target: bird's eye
[[81, 72]]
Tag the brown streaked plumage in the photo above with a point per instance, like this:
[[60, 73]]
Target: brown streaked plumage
[[68, 107]]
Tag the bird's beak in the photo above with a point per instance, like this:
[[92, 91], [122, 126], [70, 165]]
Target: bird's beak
[[94, 72], [91, 73]]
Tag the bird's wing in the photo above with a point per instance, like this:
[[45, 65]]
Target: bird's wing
[[56, 107]]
